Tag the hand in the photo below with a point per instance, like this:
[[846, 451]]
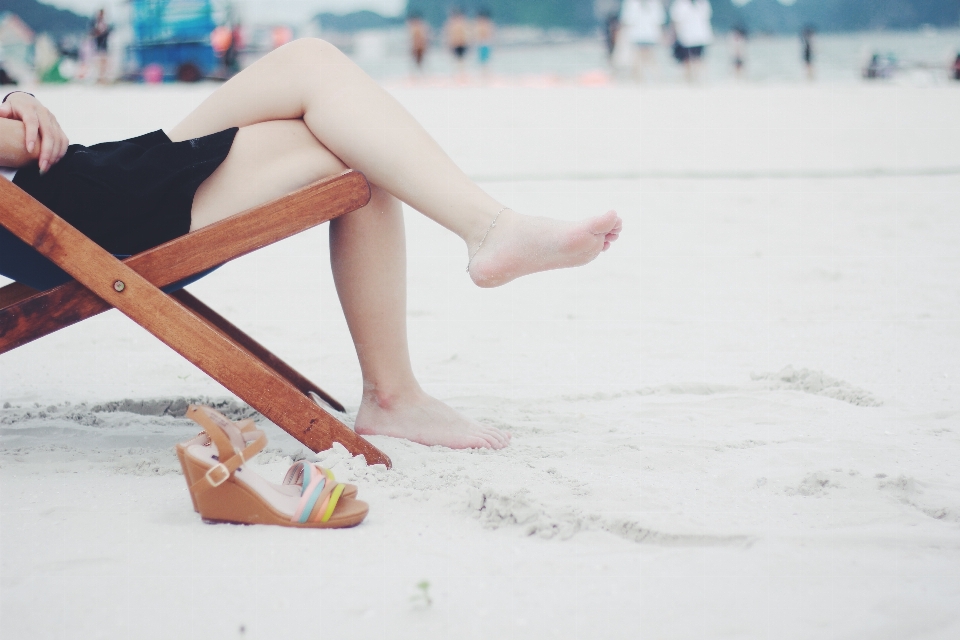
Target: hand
[[41, 128]]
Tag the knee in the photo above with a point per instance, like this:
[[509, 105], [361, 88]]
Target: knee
[[383, 202], [314, 48]]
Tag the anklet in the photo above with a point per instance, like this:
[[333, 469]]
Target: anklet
[[489, 229]]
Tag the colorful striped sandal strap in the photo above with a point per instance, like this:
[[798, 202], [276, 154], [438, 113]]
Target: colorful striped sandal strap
[[295, 473], [319, 493]]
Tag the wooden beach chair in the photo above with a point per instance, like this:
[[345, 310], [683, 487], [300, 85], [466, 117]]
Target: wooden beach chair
[[178, 319]]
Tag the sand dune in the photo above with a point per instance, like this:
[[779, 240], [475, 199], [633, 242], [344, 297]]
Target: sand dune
[[741, 422]]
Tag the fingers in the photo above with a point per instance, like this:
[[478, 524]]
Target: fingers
[[42, 133], [48, 143], [58, 140], [32, 126], [53, 141]]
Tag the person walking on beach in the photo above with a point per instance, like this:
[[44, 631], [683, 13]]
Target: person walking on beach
[[301, 113], [610, 34], [806, 51], [100, 33], [419, 32], [457, 32], [485, 31], [642, 23], [738, 46], [691, 21]]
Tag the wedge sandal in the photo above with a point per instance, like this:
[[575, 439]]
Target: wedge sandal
[[222, 490], [291, 484]]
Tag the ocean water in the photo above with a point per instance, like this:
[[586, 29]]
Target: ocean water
[[923, 55]]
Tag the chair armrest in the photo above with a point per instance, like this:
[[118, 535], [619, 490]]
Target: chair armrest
[[253, 229]]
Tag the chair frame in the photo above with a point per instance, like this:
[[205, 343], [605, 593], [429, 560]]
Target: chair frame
[[180, 320]]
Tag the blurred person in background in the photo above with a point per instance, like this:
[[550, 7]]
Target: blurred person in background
[[956, 68], [100, 34], [279, 36], [806, 50], [457, 33], [610, 34], [221, 39], [485, 31], [641, 21], [691, 22], [419, 32], [738, 47], [231, 57]]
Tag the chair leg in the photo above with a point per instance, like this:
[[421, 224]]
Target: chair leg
[[256, 349], [32, 317]]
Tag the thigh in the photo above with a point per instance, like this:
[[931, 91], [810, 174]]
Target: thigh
[[267, 160], [272, 88]]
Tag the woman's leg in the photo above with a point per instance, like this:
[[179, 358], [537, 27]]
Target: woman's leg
[[368, 255], [369, 131], [367, 252]]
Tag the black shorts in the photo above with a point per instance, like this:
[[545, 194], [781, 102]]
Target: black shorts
[[126, 196], [460, 51]]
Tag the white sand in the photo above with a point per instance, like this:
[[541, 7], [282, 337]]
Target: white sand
[[670, 476]]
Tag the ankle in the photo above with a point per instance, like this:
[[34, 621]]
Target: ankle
[[388, 398], [477, 241], [477, 225]]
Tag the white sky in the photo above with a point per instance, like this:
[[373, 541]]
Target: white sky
[[265, 10]]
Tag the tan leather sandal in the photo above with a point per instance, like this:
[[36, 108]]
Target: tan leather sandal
[[291, 482], [223, 491]]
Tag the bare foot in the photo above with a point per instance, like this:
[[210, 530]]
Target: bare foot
[[424, 419], [521, 244]]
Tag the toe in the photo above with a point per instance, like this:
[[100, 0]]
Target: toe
[[498, 436], [479, 442], [604, 224], [493, 441]]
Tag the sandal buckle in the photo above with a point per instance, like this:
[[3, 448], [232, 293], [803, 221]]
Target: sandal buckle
[[218, 481]]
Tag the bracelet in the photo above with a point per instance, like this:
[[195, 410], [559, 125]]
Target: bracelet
[[16, 91]]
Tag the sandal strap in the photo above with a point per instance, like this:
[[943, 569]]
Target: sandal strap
[[294, 475], [326, 509], [245, 425], [319, 493], [230, 458]]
